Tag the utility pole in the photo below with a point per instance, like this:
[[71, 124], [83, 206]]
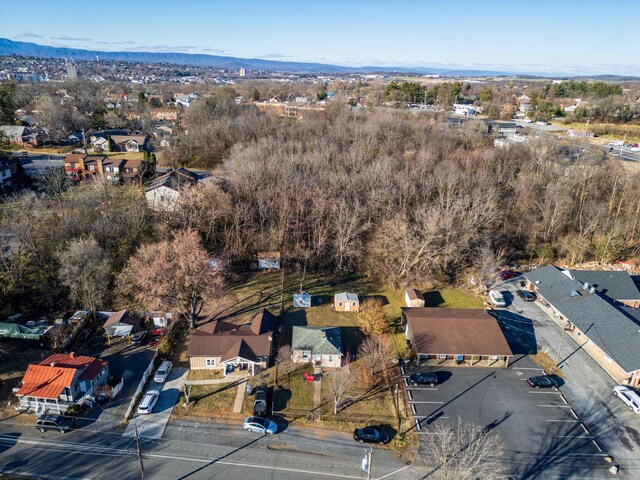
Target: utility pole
[[369, 453], [135, 429], [559, 347]]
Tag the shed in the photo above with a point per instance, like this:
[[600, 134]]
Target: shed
[[122, 323], [302, 299], [268, 260], [413, 297], [346, 302]]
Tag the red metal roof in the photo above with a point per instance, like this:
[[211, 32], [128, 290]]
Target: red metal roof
[[92, 365], [46, 381]]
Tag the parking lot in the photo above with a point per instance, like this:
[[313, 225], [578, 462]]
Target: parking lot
[[543, 436], [152, 425]]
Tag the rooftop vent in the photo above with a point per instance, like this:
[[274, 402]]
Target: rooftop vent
[[53, 364], [592, 290], [575, 293], [585, 286]]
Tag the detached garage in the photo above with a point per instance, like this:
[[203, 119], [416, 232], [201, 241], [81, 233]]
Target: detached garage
[[456, 336]]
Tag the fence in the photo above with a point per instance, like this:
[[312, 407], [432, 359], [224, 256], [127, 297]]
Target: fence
[[138, 392]]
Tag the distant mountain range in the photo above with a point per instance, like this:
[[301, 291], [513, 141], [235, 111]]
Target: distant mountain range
[[27, 49]]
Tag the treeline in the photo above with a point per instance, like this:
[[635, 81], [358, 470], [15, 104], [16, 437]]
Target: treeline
[[444, 94], [576, 89], [383, 193]]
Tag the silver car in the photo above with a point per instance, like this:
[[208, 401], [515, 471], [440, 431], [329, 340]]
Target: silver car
[[260, 425]]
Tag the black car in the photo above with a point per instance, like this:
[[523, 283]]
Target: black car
[[138, 337], [61, 423], [261, 402], [527, 296], [370, 435], [430, 379], [542, 382]]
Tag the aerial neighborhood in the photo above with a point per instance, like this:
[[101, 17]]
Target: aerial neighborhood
[[246, 268]]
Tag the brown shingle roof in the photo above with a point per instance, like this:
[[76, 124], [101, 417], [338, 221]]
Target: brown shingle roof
[[262, 322], [123, 316], [229, 346], [456, 331]]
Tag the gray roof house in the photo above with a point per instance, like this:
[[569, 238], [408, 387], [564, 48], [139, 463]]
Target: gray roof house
[[593, 308], [321, 346]]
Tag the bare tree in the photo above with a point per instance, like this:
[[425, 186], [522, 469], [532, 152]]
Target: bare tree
[[52, 181], [173, 275], [340, 384], [464, 451], [85, 271], [376, 351], [286, 365]]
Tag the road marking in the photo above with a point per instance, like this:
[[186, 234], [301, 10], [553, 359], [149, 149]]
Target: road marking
[[573, 412], [564, 400], [425, 389], [410, 394], [406, 384], [545, 393], [413, 408], [565, 421], [528, 368], [555, 406], [597, 446], [585, 429], [418, 425], [393, 473], [416, 401], [429, 416], [574, 436]]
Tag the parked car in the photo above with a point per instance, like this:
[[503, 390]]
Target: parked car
[[260, 402], [154, 341], [138, 337], [629, 396], [260, 425], [62, 423], [542, 381], [370, 435], [527, 296], [496, 298], [428, 378], [148, 401], [158, 332], [163, 372], [507, 274]]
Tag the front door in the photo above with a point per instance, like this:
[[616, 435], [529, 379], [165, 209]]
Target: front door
[[347, 306]]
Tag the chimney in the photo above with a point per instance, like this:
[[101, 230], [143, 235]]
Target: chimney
[[72, 355], [592, 290], [585, 286], [53, 364]]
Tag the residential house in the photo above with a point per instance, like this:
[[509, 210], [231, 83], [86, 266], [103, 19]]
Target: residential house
[[20, 135], [456, 336], [321, 346], [8, 172], [164, 114], [59, 381], [580, 133], [413, 298], [130, 143], [122, 323], [135, 169], [346, 302], [185, 100], [163, 193], [221, 345], [466, 110], [504, 128], [598, 310], [269, 261]]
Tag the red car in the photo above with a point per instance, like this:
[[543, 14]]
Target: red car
[[507, 274], [158, 332]]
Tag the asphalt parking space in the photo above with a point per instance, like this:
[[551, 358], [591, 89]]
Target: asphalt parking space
[[542, 433], [152, 425]]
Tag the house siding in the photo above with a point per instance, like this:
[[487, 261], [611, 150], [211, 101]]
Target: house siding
[[200, 363]]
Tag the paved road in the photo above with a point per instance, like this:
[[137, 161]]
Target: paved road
[[193, 451], [588, 388], [153, 424]]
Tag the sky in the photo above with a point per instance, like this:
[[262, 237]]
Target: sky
[[534, 36]]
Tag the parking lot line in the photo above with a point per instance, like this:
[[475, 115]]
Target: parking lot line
[[574, 436], [418, 424], [555, 406], [417, 401], [410, 394], [565, 421], [546, 393], [428, 389], [413, 409], [528, 368]]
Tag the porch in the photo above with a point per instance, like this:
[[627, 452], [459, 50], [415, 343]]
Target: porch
[[241, 367], [463, 360]]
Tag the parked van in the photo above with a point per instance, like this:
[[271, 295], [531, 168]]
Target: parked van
[[496, 298], [628, 396], [163, 372]]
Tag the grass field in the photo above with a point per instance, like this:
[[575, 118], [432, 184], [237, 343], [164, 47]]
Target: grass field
[[209, 400]]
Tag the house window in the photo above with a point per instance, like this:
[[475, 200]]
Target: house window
[[330, 358], [340, 304], [211, 362], [494, 357], [442, 357], [305, 354], [91, 167]]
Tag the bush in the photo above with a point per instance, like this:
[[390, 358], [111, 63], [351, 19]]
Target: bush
[[165, 347]]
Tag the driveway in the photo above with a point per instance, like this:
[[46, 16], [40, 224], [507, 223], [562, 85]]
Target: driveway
[[544, 438], [152, 425], [588, 387]]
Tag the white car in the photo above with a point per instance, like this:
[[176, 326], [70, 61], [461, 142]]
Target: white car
[[260, 425], [629, 396], [148, 402], [496, 298], [163, 372]]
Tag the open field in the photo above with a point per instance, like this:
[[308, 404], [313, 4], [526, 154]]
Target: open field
[[209, 400], [606, 132]]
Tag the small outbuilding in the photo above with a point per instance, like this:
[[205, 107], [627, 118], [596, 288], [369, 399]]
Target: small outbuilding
[[302, 300], [269, 261], [122, 323], [413, 297], [346, 302]]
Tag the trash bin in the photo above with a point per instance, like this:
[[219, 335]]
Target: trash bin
[[250, 389]]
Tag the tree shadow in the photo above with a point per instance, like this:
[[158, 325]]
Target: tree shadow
[[281, 398], [295, 318], [518, 331], [351, 337]]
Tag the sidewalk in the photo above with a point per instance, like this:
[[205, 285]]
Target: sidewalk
[[242, 388]]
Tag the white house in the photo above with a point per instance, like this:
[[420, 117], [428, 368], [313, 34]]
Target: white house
[[163, 194]]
